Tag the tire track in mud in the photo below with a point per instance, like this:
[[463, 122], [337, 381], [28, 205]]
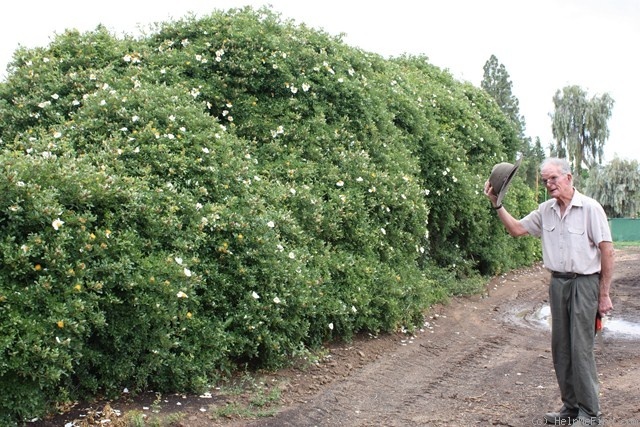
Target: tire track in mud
[[363, 399]]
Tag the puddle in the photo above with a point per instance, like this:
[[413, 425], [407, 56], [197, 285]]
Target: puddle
[[611, 326]]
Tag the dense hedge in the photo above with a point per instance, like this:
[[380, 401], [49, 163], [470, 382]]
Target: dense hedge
[[230, 191]]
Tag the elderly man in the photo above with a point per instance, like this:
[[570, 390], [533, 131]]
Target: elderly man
[[577, 248]]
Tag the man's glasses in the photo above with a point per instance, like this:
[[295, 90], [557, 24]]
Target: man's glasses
[[551, 180]]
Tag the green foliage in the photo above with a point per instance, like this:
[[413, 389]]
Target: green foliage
[[230, 191], [529, 171], [617, 187]]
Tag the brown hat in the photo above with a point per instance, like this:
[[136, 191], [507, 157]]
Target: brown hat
[[501, 176]]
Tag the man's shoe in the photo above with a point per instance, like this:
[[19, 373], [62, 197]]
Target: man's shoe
[[564, 417]]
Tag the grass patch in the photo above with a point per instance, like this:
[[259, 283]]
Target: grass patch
[[252, 398], [621, 245], [241, 410], [139, 419], [130, 419]]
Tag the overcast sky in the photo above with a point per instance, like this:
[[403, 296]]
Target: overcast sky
[[545, 45]]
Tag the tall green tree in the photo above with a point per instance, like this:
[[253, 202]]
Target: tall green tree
[[580, 127], [617, 187], [496, 82]]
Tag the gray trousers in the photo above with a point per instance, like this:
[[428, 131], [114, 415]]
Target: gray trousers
[[574, 304]]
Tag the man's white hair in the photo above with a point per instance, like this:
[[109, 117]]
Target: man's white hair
[[564, 165]]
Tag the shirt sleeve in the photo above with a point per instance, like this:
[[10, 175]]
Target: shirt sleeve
[[533, 223], [599, 229]]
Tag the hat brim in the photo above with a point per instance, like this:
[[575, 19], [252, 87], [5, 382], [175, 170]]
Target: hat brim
[[505, 186]]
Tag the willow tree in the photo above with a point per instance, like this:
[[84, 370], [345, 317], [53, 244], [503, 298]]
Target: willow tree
[[617, 187], [579, 126]]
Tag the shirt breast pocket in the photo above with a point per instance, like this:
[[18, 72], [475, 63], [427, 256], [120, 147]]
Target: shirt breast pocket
[[577, 245], [548, 228], [574, 231]]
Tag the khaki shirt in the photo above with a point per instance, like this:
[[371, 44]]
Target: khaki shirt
[[570, 244]]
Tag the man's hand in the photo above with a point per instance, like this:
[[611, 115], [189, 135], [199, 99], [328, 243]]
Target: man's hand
[[488, 191], [604, 305]]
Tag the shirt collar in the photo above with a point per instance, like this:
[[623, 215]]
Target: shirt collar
[[576, 200]]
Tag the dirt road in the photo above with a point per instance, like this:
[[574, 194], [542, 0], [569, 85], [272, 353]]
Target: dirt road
[[482, 360]]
